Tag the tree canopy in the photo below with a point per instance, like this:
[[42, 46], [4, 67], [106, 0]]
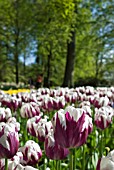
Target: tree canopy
[[71, 41]]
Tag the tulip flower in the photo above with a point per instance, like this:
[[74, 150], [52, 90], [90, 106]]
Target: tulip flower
[[109, 94], [112, 104], [103, 117], [68, 98], [12, 102], [58, 102], [29, 168], [31, 153], [33, 97], [89, 90], [74, 97], [15, 103], [84, 103], [18, 157], [9, 140], [39, 127], [25, 97], [32, 124], [17, 163], [43, 129], [5, 114], [87, 109], [71, 127], [53, 150], [53, 92], [29, 110], [106, 163], [81, 89], [2, 164], [47, 103], [82, 97], [13, 121], [12, 165], [6, 101], [44, 90], [101, 101]]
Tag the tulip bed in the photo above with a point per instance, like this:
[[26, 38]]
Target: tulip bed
[[57, 129]]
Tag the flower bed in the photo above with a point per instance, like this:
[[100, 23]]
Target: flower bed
[[57, 129]]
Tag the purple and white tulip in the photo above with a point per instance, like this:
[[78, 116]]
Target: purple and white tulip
[[71, 127], [39, 127], [47, 103], [12, 102], [89, 90], [9, 140], [101, 101], [29, 110], [25, 97], [58, 103], [85, 103], [15, 103], [18, 157], [32, 124], [106, 162], [17, 163], [43, 129], [2, 164], [13, 165], [13, 121], [103, 117], [31, 153], [5, 114], [53, 150], [68, 98]]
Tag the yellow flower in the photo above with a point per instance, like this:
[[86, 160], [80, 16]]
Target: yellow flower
[[10, 92]]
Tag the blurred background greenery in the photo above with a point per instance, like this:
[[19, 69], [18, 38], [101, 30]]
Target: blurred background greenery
[[69, 42]]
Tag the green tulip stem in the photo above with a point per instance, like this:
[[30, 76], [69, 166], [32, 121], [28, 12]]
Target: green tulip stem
[[45, 162], [75, 158], [83, 164], [105, 136], [53, 168], [71, 159], [57, 164], [101, 143], [25, 131], [37, 166], [6, 164]]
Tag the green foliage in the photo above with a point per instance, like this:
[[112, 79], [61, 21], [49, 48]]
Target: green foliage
[[39, 27]]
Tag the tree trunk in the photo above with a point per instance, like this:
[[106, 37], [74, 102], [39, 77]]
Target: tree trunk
[[48, 67], [16, 67], [68, 76], [16, 44], [24, 63]]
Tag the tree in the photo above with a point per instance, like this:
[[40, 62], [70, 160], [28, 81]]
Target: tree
[[93, 42], [54, 31], [80, 32], [71, 42], [70, 60], [16, 25], [103, 29]]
